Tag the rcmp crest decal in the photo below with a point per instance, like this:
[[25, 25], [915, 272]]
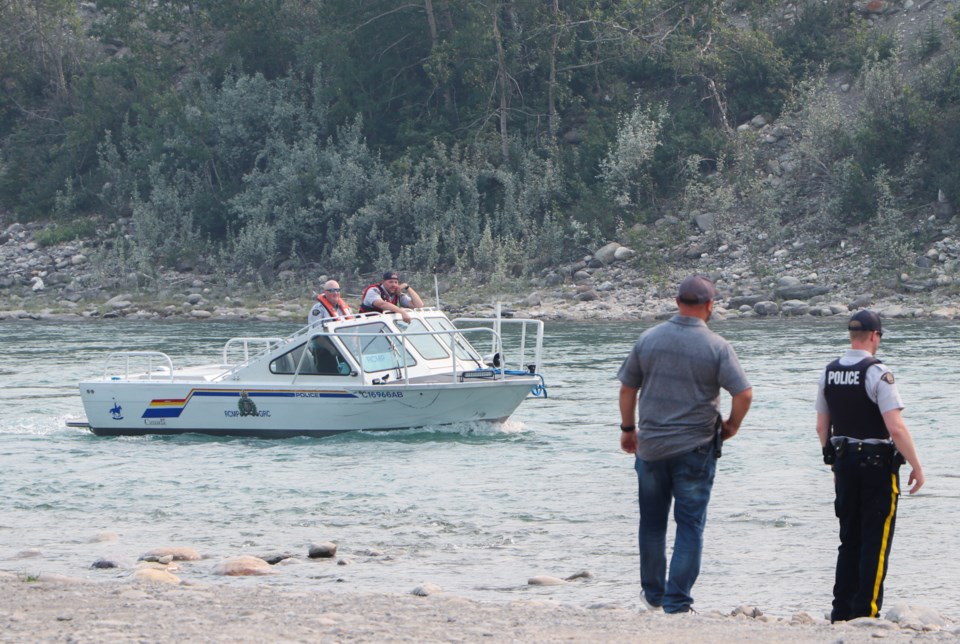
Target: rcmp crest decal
[[246, 406]]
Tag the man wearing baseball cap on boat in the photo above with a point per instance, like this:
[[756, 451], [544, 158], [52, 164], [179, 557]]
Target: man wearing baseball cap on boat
[[390, 296], [865, 440]]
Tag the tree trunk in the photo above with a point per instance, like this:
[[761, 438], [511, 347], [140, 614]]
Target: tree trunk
[[552, 123], [432, 22], [434, 44], [503, 82]]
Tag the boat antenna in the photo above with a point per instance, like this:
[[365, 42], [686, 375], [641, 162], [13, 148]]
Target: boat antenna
[[436, 290]]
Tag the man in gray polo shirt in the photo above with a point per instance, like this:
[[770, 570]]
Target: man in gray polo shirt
[[676, 371]]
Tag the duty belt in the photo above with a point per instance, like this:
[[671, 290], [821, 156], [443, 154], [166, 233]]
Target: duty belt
[[873, 452], [867, 448]]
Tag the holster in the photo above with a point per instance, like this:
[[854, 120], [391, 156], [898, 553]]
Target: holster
[[829, 454], [718, 437]]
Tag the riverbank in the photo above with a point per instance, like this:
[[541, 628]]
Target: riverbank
[[626, 295], [790, 278], [65, 610]]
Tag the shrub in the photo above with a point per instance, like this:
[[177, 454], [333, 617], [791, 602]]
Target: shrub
[[889, 240], [929, 40], [67, 231], [891, 123], [755, 75], [865, 44], [624, 171], [810, 40]]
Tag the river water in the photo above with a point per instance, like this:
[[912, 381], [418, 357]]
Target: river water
[[476, 510]]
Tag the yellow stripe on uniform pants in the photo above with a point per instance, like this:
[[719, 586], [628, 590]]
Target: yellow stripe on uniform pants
[[884, 544]]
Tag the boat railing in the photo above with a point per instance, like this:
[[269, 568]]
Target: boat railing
[[524, 324], [155, 361], [403, 338], [243, 344], [457, 346]]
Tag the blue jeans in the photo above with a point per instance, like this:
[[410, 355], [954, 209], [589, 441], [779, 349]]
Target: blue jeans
[[687, 478]]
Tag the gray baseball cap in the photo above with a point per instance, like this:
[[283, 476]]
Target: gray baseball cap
[[696, 289]]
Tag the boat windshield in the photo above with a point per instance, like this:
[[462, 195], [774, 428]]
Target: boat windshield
[[464, 350], [376, 350], [431, 347]]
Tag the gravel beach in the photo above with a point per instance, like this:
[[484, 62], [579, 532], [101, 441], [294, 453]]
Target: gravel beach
[[63, 610]]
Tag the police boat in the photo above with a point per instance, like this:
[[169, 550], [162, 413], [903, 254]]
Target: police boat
[[370, 372]]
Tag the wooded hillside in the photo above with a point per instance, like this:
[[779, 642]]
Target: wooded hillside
[[503, 135]]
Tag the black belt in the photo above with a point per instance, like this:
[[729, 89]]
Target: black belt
[[852, 446], [880, 454]]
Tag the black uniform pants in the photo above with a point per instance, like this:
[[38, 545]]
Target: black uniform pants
[[868, 487]]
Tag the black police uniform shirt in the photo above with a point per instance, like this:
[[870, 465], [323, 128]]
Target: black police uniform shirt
[[880, 385]]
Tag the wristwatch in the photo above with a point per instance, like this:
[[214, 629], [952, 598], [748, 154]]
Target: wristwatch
[[628, 428]]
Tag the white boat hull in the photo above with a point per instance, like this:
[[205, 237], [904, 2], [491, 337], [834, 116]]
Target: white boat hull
[[252, 409], [363, 373]]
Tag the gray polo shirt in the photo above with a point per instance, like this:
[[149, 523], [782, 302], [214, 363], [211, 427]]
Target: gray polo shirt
[[679, 367]]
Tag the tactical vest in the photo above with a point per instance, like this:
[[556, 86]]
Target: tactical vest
[[384, 295], [852, 413]]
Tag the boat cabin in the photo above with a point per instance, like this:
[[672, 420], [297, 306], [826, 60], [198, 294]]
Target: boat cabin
[[376, 348]]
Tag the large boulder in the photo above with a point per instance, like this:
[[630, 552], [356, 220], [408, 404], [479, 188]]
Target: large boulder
[[581, 276], [795, 308], [243, 566], [745, 300], [426, 589], [607, 253], [917, 618], [152, 575], [322, 550], [545, 580], [588, 296], [766, 308], [705, 221], [799, 291], [861, 302], [175, 554]]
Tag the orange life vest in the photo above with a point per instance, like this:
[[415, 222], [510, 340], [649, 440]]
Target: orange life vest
[[332, 310]]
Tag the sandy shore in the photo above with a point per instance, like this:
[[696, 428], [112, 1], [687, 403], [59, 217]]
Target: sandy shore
[[66, 611]]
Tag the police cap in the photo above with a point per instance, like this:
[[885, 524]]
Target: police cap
[[865, 321]]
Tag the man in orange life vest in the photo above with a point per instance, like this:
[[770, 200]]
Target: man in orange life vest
[[864, 438], [390, 296], [329, 304]]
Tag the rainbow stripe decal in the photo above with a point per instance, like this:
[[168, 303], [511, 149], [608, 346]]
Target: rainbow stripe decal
[[173, 407]]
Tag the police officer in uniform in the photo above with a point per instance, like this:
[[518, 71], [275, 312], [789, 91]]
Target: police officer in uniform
[[390, 296], [864, 438], [329, 305]]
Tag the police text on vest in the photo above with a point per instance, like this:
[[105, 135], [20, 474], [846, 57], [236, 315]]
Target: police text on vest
[[843, 378]]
